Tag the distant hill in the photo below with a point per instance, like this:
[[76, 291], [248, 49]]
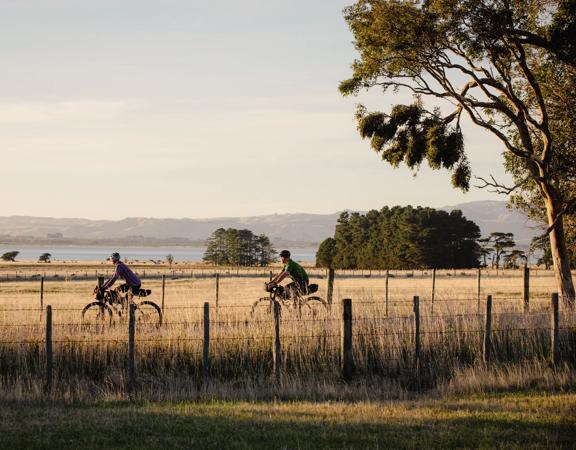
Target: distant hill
[[295, 229], [287, 229], [493, 216]]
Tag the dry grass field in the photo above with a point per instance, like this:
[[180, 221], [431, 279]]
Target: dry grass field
[[452, 400], [90, 362]]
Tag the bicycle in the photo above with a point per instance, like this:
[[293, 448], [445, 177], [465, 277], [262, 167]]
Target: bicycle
[[110, 303], [278, 294]]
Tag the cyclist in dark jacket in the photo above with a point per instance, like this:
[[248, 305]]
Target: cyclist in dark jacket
[[123, 272]]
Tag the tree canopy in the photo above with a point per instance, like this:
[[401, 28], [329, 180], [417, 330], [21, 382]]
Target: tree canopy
[[403, 238], [45, 257], [238, 248], [10, 256], [170, 259], [497, 245], [481, 58], [326, 252]]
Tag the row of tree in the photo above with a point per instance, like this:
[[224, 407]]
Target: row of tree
[[11, 256], [238, 248], [402, 238], [499, 249]]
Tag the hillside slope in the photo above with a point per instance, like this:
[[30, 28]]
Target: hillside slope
[[297, 228]]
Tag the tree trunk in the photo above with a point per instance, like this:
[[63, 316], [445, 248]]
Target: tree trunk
[[560, 258]]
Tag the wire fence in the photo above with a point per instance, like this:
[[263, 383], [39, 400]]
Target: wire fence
[[390, 301], [340, 330], [232, 329], [270, 337]]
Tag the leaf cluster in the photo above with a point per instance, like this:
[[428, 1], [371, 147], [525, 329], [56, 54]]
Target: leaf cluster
[[410, 135]]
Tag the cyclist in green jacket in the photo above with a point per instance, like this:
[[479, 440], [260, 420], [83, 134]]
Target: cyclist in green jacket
[[293, 270]]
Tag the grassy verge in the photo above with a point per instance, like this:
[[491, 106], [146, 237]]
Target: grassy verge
[[527, 420]]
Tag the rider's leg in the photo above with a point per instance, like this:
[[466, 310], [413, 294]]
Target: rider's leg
[[293, 290]]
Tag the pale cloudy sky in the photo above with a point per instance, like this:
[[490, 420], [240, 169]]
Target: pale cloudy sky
[[185, 108]]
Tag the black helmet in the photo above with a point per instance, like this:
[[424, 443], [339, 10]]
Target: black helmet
[[284, 254], [115, 256]]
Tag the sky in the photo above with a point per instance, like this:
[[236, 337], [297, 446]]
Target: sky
[[185, 108]]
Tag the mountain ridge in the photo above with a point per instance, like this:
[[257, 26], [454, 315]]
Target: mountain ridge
[[295, 228]]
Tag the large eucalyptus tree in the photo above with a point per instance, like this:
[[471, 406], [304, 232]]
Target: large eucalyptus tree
[[483, 59]]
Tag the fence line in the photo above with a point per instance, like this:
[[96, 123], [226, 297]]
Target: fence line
[[295, 336], [250, 321], [346, 335]]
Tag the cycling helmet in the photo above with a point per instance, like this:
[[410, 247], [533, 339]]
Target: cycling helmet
[[285, 254], [115, 256]]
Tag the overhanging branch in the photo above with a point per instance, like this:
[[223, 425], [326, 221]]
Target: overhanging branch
[[500, 188]]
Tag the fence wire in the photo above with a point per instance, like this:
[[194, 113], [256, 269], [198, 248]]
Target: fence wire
[[284, 336]]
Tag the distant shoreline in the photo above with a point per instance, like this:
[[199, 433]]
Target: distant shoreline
[[142, 253], [129, 243]]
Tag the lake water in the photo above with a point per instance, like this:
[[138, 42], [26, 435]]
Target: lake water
[[79, 253]]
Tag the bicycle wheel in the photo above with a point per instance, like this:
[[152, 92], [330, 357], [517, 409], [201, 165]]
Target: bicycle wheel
[[315, 304], [97, 313], [148, 312]]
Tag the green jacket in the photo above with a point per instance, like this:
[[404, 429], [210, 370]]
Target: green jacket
[[297, 272]]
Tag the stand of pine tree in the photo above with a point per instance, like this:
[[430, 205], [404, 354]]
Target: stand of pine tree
[[401, 238]]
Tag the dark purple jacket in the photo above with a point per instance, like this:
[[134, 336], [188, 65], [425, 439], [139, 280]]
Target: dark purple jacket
[[123, 272]]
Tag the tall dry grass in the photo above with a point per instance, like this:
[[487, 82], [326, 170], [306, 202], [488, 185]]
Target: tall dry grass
[[91, 362]]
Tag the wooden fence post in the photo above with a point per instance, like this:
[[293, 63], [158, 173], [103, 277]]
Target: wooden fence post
[[163, 291], [49, 349], [100, 281], [206, 345], [554, 318], [277, 349], [526, 289], [488, 331], [387, 277], [217, 288], [347, 356], [131, 351], [433, 289], [417, 333], [478, 289], [330, 286], [41, 294]]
